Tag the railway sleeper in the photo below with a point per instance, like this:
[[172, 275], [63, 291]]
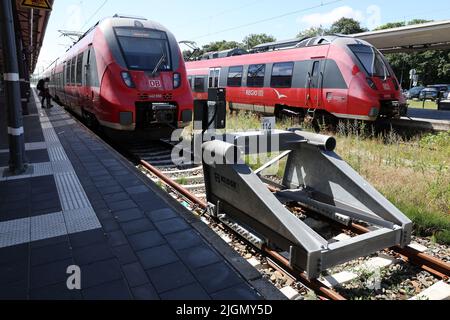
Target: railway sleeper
[[315, 177]]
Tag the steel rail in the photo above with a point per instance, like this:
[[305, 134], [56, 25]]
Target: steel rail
[[431, 264], [177, 187]]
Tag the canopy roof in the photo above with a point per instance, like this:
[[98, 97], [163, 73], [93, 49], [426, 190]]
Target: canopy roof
[[31, 26], [427, 36]]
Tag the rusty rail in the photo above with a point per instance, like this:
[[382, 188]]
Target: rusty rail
[[313, 284], [428, 263], [177, 187]]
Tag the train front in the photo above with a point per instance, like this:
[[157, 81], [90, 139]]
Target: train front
[[375, 87], [145, 87]]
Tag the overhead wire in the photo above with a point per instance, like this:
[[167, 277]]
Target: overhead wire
[[322, 4]]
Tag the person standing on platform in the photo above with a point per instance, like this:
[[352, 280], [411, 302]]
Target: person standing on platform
[[40, 87], [47, 96]]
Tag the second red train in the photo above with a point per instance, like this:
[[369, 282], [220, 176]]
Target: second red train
[[333, 76]]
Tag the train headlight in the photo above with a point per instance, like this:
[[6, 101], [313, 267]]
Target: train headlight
[[372, 84], [126, 77], [176, 80]]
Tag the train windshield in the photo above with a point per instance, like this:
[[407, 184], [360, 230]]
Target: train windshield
[[371, 59], [144, 49]]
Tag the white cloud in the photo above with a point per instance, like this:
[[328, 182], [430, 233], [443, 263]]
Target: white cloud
[[328, 18]]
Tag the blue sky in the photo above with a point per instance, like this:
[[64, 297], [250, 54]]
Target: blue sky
[[205, 21]]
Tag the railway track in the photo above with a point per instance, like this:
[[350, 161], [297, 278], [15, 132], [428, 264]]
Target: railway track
[[186, 184]]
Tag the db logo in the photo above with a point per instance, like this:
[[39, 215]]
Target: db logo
[[155, 83]]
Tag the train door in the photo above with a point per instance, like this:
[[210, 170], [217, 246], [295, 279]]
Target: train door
[[65, 80], [53, 80], [84, 90], [214, 76], [91, 77], [314, 90]]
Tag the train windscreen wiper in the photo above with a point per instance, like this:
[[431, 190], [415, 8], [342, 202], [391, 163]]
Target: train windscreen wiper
[[160, 62]]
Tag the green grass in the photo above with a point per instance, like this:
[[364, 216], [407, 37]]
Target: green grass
[[414, 175], [429, 105], [428, 223], [182, 181]]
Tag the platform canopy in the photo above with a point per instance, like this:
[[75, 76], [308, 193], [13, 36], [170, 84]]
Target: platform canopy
[[31, 24], [427, 36]]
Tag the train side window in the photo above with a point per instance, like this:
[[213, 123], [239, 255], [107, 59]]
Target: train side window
[[199, 84], [79, 68], [235, 76], [92, 78], [217, 77], [214, 75], [255, 77], [211, 78], [315, 75], [72, 71], [66, 73], [88, 59], [190, 82], [282, 75]]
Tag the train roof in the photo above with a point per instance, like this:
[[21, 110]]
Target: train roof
[[288, 52], [107, 26], [287, 45]]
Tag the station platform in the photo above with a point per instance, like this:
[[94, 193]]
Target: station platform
[[82, 204], [424, 114], [435, 120]]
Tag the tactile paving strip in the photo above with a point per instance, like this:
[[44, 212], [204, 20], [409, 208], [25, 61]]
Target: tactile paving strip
[[42, 169], [57, 153], [71, 192], [62, 166], [48, 226], [81, 220], [14, 232]]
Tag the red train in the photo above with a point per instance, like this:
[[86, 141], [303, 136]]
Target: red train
[[334, 76], [127, 75]]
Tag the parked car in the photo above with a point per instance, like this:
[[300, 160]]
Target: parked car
[[414, 93], [430, 93], [441, 87]]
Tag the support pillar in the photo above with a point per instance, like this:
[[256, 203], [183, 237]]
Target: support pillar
[[11, 77]]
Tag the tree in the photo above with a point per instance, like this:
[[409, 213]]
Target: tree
[[221, 45], [418, 21], [390, 25], [313, 32], [347, 26], [253, 40]]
